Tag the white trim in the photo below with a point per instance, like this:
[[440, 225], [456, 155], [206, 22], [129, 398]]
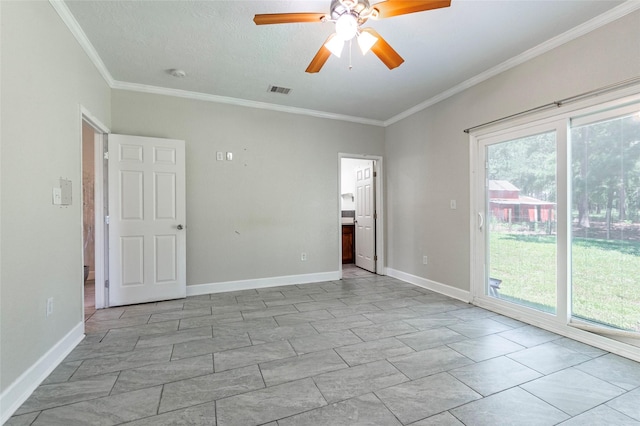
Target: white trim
[[445, 289], [77, 31], [616, 111], [611, 15], [380, 221], [198, 289], [93, 120], [99, 263], [143, 88], [80, 36], [602, 329], [99, 188], [18, 392]]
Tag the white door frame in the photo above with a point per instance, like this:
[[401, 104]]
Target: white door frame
[[101, 131], [380, 222]]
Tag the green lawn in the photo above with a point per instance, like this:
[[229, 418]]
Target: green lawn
[[606, 276]]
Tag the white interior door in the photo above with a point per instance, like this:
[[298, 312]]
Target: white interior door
[[365, 218], [147, 239]]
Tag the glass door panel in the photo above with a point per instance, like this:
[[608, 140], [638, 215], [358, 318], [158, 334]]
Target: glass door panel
[[605, 213], [520, 207]]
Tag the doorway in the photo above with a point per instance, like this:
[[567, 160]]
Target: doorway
[[94, 251], [88, 218], [361, 232]]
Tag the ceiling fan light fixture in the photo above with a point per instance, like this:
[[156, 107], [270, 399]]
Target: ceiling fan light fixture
[[366, 41], [346, 26], [335, 45]]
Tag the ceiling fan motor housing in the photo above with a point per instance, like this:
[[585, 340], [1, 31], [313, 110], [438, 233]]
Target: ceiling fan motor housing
[[358, 8]]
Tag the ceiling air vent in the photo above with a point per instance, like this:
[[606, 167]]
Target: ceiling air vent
[[278, 89]]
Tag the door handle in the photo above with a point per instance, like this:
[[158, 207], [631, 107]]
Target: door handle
[[481, 218], [180, 227]]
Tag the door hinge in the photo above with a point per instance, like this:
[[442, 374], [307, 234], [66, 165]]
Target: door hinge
[[106, 155], [375, 258], [106, 284], [375, 174], [375, 215], [106, 220]]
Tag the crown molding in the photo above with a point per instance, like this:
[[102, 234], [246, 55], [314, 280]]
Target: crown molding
[[616, 13], [143, 88], [71, 23]]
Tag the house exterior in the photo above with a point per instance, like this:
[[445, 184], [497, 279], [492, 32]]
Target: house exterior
[[507, 205]]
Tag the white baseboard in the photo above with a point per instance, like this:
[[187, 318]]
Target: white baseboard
[[198, 289], [445, 289], [18, 392]]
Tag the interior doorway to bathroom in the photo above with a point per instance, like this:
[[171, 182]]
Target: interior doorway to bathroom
[[88, 217], [94, 250], [360, 211]]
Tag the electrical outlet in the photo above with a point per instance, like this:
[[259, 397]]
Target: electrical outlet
[[303, 256], [425, 260], [453, 205], [49, 306], [219, 156]]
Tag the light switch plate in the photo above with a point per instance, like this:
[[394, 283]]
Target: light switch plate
[[57, 196], [229, 156]]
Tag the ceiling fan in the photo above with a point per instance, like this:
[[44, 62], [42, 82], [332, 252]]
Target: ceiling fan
[[348, 16]]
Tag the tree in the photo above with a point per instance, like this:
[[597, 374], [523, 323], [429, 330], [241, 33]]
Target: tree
[[528, 163], [605, 165]]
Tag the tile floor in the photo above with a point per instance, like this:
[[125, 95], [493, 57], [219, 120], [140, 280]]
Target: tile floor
[[369, 350]]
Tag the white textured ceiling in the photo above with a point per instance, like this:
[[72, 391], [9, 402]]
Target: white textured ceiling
[[226, 55]]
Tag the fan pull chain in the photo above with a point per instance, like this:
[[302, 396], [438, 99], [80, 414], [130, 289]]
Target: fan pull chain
[[350, 44]]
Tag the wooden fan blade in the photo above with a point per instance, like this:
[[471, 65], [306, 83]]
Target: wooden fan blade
[[321, 57], [384, 51], [390, 8], [287, 18]]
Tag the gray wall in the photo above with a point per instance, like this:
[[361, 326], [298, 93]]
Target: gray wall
[[427, 154], [252, 217], [45, 78]]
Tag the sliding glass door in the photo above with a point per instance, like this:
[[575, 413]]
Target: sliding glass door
[[557, 236], [605, 217]]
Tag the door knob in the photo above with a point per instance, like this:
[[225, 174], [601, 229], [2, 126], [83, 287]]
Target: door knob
[[180, 227]]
